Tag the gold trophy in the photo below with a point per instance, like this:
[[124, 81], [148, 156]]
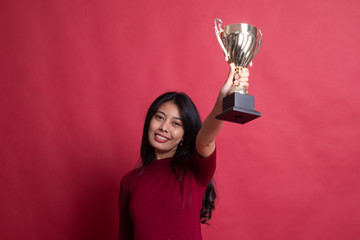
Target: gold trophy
[[240, 43]]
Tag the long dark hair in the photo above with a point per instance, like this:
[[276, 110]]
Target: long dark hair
[[192, 123]]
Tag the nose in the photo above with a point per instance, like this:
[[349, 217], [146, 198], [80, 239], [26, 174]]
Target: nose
[[164, 126]]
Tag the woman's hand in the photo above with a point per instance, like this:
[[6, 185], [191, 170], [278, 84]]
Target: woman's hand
[[239, 79]]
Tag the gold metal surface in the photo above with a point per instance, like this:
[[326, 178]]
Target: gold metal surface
[[240, 44]]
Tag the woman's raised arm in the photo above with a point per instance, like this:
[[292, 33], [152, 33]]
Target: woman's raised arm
[[205, 140]]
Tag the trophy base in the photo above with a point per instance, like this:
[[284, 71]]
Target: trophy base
[[238, 108]]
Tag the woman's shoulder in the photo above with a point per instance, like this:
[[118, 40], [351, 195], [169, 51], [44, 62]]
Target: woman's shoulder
[[130, 174]]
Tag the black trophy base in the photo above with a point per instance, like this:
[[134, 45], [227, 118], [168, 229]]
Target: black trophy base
[[238, 108]]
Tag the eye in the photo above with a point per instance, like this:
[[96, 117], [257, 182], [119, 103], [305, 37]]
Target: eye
[[177, 124], [158, 117]]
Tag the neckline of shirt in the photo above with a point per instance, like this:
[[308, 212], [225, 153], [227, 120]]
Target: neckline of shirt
[[160, 161]]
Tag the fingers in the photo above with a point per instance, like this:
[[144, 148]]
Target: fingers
[[244, 73], [242, 83], [242, 78], [235, 79]]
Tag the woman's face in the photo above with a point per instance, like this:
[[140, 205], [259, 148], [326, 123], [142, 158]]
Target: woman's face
[[166, 130]]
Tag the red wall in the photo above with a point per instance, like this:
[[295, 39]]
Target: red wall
[[76, 78]]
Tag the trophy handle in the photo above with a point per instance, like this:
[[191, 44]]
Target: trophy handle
[[258, 46], [218, 31]]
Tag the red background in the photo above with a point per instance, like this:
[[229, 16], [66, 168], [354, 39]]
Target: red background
[[78, 76]]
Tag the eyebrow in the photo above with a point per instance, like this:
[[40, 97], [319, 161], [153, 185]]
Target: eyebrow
[[158, 111]]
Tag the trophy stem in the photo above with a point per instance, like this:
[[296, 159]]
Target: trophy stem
[[236, 87]]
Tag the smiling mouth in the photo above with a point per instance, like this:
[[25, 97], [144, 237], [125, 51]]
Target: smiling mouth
[[160, 138]]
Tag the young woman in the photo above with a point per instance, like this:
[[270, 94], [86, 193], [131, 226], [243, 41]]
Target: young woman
[[171, 193]]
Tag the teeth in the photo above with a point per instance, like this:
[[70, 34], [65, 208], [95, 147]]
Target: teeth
[[161, 137]]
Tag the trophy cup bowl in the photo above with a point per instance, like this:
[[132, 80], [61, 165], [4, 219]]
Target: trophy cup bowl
[[240, 44]]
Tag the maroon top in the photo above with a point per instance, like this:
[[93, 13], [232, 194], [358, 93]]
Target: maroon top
[[154, 205]]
